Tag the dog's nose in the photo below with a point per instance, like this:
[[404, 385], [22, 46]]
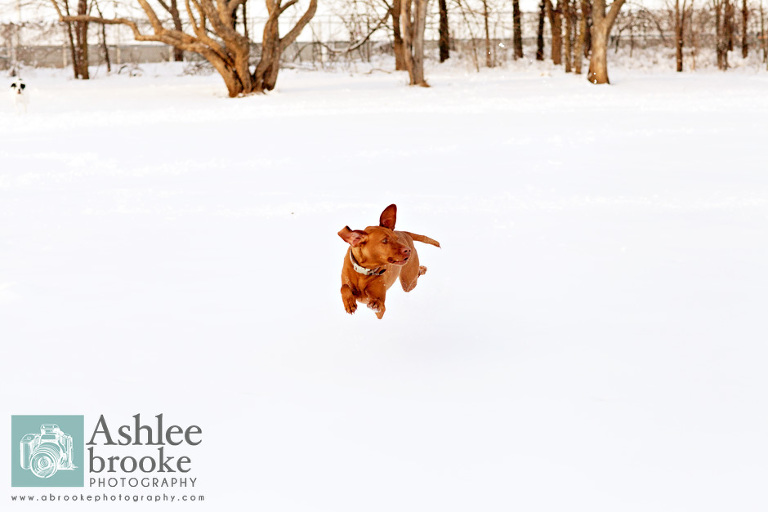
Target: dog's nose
[[405, 251]]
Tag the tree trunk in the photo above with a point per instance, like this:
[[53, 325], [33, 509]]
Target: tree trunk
[[581, 38], [419, 27], [104, 46], [586, 10], [598, 63], [71, 39], [399, 47], [517, 33], [445, 40], [729, 13], [178, 53], [488, 54], [265, 76], [679, 36], [721, 43], [764, 36], [173, 10], [719, 34], [601, 30], [540, 31], [72, 54], [81, 42], [744, 31], [555, 23], [413, 18], [568, 36], [693, 39]]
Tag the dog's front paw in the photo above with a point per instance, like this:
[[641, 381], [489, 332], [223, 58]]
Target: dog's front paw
[[376, 304], [350, 305]]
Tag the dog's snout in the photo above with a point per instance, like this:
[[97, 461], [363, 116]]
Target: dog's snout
[[405, 251]]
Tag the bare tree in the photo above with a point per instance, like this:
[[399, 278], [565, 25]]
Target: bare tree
[[488, 54], [78, 41], [399, 47], [730, 24], [581, 51], [602, 22], [413, 19], [172, 7], [361, 27], [81, 41], [475, 58], [517, 32], [568, 35], [680, 15], [586, 7], [694, 40], [445, 40], [721, 32], [540, 30], [216, 39], [555, 24], [77, 36], [71, 41], [744, 31], [103, 33], [763, 35]]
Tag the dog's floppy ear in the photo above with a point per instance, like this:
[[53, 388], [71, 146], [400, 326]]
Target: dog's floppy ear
[[388, 217], [353, 238]]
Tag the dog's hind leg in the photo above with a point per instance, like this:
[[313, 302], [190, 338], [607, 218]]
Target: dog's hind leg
[[409, 275]]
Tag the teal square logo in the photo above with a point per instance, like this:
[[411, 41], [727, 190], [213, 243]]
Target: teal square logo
[[47, 451]]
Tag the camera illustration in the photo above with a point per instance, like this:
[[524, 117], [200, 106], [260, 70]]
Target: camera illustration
[[47, 452]]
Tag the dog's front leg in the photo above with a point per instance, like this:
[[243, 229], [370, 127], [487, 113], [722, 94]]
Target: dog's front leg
[[375, 294], [349, 298]]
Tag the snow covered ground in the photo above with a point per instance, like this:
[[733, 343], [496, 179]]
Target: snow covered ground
[[591, 336]]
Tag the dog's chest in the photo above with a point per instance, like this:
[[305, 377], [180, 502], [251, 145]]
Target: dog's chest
[[20, 97], [359, 282]]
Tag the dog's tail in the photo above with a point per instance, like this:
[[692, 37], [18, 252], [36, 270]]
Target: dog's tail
[[423, 239]]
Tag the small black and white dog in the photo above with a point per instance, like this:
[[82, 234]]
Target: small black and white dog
[[20, 95]]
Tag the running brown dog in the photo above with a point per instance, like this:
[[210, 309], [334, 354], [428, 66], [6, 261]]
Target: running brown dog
[[377, 256]]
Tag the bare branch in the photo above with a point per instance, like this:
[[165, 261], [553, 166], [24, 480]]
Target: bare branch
[[234, 4], [291, 36], [164, 5], [614, 11], [284, 7], [360, 43], [115, 21], [154, 20], [221, 20]]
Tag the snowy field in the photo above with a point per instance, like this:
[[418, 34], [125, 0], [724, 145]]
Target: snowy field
[[591, 336]]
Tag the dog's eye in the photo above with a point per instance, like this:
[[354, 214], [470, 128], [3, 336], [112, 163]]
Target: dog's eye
[[385, 241]]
